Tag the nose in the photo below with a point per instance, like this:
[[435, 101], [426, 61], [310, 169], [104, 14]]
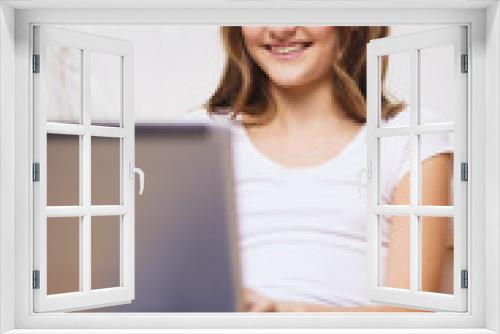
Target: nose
[[281, 33]]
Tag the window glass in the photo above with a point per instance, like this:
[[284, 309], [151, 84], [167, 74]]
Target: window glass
[[436, 70], [63, 170], [106, 89], [106, 170], [436, 156], [394, 251], [436, 243], [394, 78], [394, 170], [63, 255], [106, 233], [64, 84]]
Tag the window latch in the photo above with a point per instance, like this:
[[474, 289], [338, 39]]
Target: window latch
[[464, 171], [36, 279], [464, 279], [36, 172], [134, 170], [465, 64], [36, 64]]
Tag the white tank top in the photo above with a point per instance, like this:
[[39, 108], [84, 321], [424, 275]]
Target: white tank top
[[303, 230]]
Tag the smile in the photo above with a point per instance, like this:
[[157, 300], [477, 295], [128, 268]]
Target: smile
[[289, 51]]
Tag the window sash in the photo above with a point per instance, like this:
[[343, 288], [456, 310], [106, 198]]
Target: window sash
[[86, 297], [412, 43]]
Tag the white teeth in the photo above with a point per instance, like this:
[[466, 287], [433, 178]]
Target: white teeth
[[287, 49]]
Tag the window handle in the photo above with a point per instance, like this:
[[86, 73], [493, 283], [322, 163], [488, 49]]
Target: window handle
[[134, 170]]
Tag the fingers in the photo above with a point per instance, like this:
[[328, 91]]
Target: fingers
[[256, 302]]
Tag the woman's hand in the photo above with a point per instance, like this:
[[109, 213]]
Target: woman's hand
[[256, 302]]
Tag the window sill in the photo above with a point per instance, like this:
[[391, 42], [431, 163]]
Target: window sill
[[256, 331]]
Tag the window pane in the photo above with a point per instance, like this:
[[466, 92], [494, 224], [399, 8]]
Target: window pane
[[105, 252], [63, 177], [63, 255], [105, 170], [397, 84], [394, 252], [436, 235], [436, 75], [64, 84], [106, 89], [394, 167], [436, 155]]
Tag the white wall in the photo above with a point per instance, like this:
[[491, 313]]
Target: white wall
[[177, 67], [7, 167]]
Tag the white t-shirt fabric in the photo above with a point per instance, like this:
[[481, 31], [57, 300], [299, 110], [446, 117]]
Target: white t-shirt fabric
[[303, 231]]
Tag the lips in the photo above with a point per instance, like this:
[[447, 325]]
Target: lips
[[287, 50]]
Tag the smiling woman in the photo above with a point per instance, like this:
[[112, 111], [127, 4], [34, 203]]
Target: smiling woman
[[294, 56], [296, 97]]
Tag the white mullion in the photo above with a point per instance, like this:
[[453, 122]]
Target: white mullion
[[123, 163], [122, 272], [82, 189], [373, 103], [110, 132], [414, 168], [81, 259], [419, 210], [460, 155], [127, 182], [87, 177], [66, 211], [107, 210], [434, 211], [65, 129], [80, 211], [86, 229], [80, 129], [40, 188], [417, 129]]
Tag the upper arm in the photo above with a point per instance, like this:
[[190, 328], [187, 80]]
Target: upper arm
[[436, 190]]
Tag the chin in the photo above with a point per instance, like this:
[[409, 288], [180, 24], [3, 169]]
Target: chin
[[287, 81]]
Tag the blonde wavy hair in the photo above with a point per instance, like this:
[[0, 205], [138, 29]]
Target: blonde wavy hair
[[244, 87]]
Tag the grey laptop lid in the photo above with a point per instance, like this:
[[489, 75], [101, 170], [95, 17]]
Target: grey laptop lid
[[200, 262], [187, 257]]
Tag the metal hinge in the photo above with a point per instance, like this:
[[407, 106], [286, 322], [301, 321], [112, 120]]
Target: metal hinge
[[36, 172], [36, 63], [36, 279], [465, 64], [464, 279], [464, 171]]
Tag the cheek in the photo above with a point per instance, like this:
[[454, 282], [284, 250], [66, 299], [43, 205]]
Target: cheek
[[251, 36]]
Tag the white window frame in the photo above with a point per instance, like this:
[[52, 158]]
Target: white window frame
[[411, 45], [483, 314], [86, 297]]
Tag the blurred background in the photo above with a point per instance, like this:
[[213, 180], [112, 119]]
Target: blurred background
[[176, 68]]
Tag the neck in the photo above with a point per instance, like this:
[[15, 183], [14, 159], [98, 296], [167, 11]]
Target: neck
[[306, 108]]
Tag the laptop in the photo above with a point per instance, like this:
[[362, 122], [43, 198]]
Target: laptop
[[190, 210]]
